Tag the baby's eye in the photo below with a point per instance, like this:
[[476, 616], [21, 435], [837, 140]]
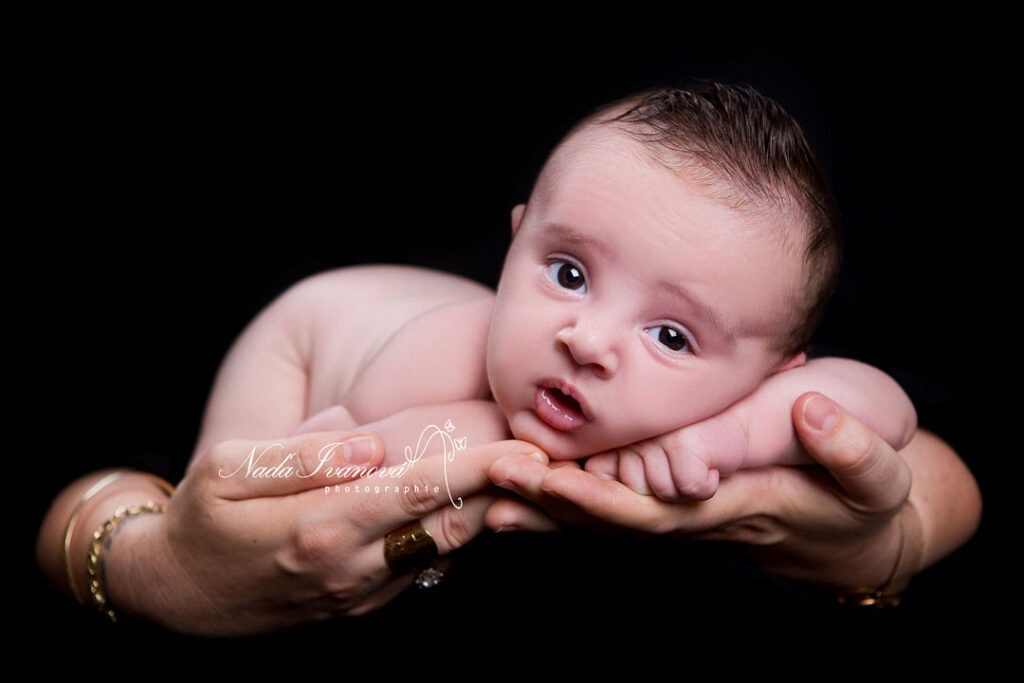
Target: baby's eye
[[567, 275], [669, 337]]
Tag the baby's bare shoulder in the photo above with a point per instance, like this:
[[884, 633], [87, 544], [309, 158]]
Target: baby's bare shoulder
[[373, 299], [435, 357], [352, 314], [372, 285]]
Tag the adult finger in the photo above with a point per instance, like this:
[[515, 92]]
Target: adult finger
[[253, 469], [452, 528], [430, 483], [870, 472], [578, 496], [512, 514]]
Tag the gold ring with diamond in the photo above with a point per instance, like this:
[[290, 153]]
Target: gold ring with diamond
[[409, 548]]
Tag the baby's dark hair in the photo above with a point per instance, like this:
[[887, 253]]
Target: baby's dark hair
[[749, 153]]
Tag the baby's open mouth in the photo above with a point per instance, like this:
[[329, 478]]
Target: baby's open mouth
[[558, 409], [558, 396]]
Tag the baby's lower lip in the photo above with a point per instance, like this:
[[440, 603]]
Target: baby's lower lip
[[556, 411]]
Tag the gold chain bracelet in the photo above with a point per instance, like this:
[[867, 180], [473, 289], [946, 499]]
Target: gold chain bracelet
[[95, 556], [92, 492]]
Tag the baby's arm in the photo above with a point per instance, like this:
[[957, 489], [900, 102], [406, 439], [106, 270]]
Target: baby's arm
[[331, 334], [757, 431], [414, 432]]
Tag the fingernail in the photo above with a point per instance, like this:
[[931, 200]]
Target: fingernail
[[538, 457], [506, 528], [820, 413], [359, 449]]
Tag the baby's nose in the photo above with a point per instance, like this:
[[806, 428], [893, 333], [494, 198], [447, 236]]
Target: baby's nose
[[589, 346]]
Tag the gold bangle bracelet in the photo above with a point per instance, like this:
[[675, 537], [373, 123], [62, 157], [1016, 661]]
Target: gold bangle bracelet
[[69, 530], [92, 565]]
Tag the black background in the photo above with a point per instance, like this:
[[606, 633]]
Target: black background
[[177, 181]]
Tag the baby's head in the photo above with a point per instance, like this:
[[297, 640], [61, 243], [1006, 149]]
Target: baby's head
[[678, 248]]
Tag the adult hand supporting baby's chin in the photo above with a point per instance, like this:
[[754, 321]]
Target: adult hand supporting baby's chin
[[263, 535], [835, 528]]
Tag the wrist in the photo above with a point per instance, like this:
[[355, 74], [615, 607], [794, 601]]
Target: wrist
[[908, 561], [99, 504], [96, 510], [883, 559], [140, 571]]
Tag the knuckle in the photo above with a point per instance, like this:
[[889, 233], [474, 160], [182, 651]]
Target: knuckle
[[307, 457], [694, 480], [664, 488], [417, 497], [455, 529], [344, 588], [692, 445], [224, 456], [669, 494], [696, 490], [859, 455], [312, 544], [679, 439]]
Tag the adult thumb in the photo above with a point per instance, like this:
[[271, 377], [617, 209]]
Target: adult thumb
[[870, 471]]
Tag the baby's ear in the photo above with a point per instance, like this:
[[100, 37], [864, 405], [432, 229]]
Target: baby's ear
[[517, 216], [793, 362]]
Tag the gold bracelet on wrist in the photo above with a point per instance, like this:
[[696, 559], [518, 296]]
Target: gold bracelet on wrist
[[69, 530], [908, 558], [95, 556], [96, 488]]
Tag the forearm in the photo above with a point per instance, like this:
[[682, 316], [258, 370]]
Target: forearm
[[477, 422], [945, 495], [867, 393]]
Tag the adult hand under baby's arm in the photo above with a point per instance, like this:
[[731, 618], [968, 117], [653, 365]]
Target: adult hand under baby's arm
[[838, 527]]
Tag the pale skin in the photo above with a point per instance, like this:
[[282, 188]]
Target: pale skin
[[323, 556], [620, 320]]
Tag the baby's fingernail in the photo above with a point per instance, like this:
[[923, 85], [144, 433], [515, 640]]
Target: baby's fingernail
[[359, 449], [505, 528], [820, 413], [538, 457]]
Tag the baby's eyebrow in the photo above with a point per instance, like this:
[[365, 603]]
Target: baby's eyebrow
[[704, 310], [577, 237]]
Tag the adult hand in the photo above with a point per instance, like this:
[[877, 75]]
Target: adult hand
[[836, 525], [242, 554]]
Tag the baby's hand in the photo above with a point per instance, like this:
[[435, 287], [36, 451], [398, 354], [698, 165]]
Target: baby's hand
[[681, 465]]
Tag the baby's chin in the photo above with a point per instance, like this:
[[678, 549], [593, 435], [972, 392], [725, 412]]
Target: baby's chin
[[560, 446]]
